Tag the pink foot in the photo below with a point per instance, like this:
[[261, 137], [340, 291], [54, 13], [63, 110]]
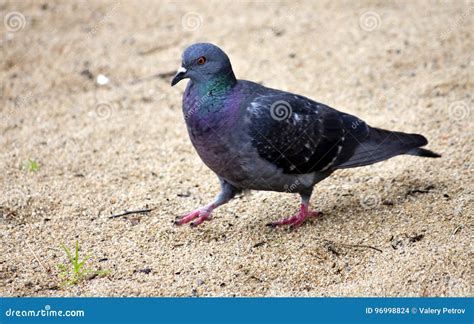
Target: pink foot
[[198, 216], [298, 219]]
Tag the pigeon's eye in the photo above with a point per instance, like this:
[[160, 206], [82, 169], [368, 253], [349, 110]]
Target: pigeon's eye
[[201, 60]]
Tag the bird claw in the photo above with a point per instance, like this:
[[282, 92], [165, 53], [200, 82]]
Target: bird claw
[[198, 216], [296, 220]]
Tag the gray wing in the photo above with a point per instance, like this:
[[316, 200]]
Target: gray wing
[[302, 136]]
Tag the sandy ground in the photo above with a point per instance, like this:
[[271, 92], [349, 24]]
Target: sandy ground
[[398, 228]]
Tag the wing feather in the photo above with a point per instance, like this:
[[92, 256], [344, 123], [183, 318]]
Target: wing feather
[[302, 136]]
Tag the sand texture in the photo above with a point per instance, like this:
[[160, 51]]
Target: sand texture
[[76, 147]]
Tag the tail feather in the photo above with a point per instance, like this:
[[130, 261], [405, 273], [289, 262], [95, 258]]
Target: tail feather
[[381, 145], [423, 153]]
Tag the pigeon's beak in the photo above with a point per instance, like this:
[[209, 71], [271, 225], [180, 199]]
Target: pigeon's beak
[[180, 75]]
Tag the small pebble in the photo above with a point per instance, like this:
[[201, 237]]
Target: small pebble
[[102, 79]]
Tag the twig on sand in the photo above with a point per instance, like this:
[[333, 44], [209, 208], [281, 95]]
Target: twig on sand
[[130, 212], [456, 230], [363, 246]]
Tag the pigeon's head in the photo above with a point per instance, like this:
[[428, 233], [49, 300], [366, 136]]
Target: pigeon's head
[[203, 62]]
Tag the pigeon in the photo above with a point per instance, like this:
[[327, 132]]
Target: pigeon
[[258, 138]]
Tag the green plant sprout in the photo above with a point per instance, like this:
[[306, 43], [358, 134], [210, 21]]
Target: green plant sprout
[[30, 165], [75, 271]]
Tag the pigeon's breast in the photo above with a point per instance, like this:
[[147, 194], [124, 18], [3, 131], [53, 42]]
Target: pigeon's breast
[[214, 140], [212, 129]]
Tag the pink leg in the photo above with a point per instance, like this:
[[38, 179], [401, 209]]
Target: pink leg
[[199, 215], [298, 219]]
